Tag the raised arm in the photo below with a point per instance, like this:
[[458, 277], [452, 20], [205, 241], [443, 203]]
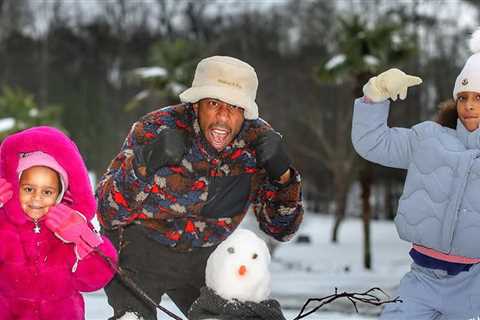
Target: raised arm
[[278, 204], [148, 147], [371, 136]]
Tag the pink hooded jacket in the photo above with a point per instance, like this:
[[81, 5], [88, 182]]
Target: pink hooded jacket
[[36, 277]]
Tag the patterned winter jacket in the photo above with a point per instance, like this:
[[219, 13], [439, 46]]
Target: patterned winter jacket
[[440, 206], [200, 201]]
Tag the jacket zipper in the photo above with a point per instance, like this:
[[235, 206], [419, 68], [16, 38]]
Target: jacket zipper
[[36, 228], [211, 179], [460, 195]]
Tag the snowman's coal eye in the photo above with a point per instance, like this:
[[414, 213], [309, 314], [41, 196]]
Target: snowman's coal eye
[[254, 256], [231, 250]]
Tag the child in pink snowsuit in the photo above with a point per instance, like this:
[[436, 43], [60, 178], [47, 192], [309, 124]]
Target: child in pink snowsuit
[[47, 244]]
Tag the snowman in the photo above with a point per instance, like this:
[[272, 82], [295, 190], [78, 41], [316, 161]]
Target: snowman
[[131, 316], [237, 281]]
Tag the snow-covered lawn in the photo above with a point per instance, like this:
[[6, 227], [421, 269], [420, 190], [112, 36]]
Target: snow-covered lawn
[[313, 270], [301, 271], [98, 309]]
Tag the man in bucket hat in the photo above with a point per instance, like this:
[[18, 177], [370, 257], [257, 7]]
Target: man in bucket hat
[[185, 178]]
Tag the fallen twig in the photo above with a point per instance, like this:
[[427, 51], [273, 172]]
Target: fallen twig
[[367, 297]]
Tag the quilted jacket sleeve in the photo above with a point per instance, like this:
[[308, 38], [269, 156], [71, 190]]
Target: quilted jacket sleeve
[[375, 141]]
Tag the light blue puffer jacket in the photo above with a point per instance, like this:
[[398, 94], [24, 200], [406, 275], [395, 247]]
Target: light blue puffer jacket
[[440, 204]]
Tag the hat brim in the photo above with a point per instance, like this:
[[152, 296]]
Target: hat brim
[[225, 94]]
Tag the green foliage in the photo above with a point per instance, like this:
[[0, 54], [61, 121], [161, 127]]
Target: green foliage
[[366, 49], [21, 108], [178, 59]]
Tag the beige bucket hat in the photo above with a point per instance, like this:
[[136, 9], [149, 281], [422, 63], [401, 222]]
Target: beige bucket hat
[[227, 79]]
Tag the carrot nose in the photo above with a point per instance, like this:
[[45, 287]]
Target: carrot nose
[[242, 270]]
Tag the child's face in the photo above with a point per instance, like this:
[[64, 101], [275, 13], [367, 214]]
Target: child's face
[[468, 109], [39, 189]]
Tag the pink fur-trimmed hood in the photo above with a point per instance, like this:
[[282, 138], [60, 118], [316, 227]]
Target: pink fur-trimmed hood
[[55, 143]]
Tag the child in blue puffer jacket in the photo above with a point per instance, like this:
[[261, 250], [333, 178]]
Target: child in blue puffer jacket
[[439, 210]]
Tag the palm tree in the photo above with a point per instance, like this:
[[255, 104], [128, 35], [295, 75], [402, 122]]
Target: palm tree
[[171, 71], [362, 51]]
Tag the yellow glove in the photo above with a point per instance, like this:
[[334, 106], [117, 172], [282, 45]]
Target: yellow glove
[[389, 84]]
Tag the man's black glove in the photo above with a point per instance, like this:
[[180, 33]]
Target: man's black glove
[[167, 148], [272, 154]]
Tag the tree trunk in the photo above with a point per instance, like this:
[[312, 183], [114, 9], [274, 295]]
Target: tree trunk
[[341, 189], [366, 178], [389, 210]]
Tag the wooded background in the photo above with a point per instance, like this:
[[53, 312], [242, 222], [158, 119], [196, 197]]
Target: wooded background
[[78, 65]]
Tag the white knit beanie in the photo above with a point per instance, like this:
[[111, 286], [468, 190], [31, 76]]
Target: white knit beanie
[[469, 78]]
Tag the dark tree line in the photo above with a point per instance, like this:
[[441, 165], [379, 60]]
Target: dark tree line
[[80, 56]]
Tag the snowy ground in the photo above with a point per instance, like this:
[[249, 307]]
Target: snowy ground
[[301, 271]]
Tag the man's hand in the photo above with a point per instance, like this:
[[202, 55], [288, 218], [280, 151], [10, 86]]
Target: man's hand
[[71, 226], [6, 192], [168, 148], [389, 84], [272, 155]]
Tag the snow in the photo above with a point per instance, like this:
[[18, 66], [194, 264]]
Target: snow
[[33, 112], [239, 268], [371, 60], [176, 88], [142, 95], [313, 270], [335, 61], [130, 316], [98, 309], [7, 124], [339, 59], [151, 72]]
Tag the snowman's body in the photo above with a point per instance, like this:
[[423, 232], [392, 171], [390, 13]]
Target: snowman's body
[[131, 316]]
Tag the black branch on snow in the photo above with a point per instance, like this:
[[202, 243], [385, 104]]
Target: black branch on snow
[[367, 297]]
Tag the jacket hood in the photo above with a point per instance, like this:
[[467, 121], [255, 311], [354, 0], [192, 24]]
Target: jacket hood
[[56, 144]]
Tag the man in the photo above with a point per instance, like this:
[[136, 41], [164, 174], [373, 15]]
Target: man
[[184, 180]]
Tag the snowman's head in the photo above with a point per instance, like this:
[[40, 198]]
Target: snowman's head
[[238, 268]]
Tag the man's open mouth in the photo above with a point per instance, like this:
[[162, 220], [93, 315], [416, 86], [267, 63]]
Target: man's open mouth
[[219, 136]]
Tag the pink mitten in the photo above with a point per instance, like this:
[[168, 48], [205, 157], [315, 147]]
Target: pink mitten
[[6, 192], [71, 226]]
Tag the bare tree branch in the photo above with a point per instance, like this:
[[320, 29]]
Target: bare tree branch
[[367, 297]]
